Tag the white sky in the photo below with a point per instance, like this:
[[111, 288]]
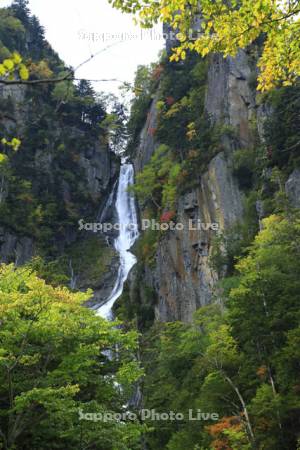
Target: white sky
[[75, 29]]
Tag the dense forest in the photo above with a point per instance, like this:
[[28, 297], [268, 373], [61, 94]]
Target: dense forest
[[239, 356], [208, 324]]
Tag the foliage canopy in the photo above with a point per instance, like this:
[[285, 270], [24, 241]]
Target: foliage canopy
[[228, 26]]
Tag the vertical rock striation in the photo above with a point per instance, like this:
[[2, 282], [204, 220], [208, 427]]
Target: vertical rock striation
[[183, 277]]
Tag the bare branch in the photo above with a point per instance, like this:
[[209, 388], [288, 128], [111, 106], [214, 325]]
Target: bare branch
[[69, 76]]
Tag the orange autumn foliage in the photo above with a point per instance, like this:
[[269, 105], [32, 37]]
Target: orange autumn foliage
[[221, 441]]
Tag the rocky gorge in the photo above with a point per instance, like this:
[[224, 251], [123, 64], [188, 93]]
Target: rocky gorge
[[189, 300]]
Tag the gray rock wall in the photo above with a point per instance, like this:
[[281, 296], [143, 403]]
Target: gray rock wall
[[292, 188], [99, 165], [229, 99], [183, 277], [148, 143]]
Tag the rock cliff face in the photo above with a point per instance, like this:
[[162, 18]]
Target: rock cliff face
[[13, 248], [63, 172], [17, 249], [147, 141], [183, 277], [229, 98], [98, 168], [292, 188]]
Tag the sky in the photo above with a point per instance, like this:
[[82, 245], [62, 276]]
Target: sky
[[78, 28]]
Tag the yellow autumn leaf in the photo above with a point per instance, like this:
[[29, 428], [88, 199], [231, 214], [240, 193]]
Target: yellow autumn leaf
[[8, 64], [16, 58], [204, 51], [15, 143], [3, 158], [236, 24], [2, 70], [23, 72]]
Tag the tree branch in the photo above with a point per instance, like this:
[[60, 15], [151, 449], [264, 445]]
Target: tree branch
[[268, 22], [69, 76]]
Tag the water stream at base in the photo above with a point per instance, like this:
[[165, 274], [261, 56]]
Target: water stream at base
[[128, 234]]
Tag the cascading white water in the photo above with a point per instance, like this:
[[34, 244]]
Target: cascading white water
[[128, 234]]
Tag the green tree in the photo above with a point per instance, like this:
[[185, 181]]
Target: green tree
[[264, 314], [55, 366], [157, 183]]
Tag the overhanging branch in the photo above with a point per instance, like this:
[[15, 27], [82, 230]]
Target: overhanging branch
[[55, 80], [69, 76]]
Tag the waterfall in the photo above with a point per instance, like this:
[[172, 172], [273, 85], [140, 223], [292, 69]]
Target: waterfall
[[128, 233]]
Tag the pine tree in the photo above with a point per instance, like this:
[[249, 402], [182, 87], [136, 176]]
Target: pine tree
[[37, 38], [85, 89], [21, 10]]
